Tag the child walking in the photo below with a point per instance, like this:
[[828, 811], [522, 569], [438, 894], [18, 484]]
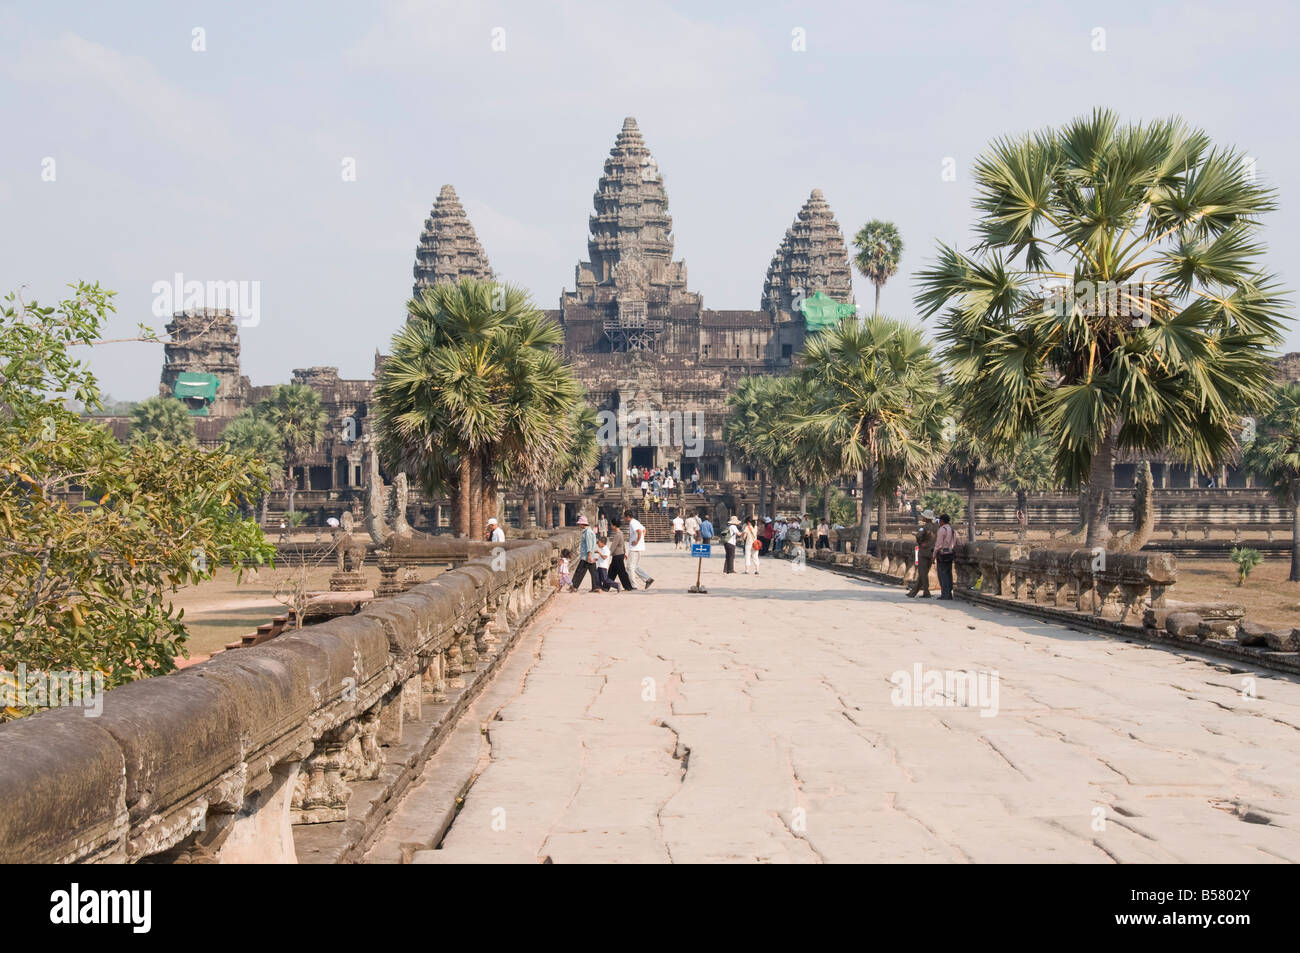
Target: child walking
[[563, 579]]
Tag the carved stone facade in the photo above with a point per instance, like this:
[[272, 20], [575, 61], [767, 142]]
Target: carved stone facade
[[642, 342]]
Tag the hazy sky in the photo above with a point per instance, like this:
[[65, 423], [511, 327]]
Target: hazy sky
[[227, 163]]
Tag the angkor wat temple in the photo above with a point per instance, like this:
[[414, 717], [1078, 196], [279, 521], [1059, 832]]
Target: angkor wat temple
[[640, 340]]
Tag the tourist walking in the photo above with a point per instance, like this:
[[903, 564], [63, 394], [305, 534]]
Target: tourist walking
[[766, 536], [693, 528], [618, 555], [945, 552], [706, 531], [586, 557], [924, 555], [679, 527], [729, 544], [823, 536], [751, 543], [635, 547], [495, 533]]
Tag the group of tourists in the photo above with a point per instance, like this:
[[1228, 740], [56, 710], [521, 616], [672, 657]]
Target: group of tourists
[[611, 557], [691, 529]]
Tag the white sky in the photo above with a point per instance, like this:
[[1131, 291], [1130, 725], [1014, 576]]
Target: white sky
[[226, 164]]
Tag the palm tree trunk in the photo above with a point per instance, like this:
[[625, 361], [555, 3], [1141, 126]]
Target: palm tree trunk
[[1101, 479], [475, 492], [464, 493], [1022, 509], [970, 506], [266, 502], [882, 513], [1295, 534], [878, 300], [290, 485], [826, 502], [867, 479], [762, 494], [803, 500]]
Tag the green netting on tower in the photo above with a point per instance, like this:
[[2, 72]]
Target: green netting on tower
[[822, 311]]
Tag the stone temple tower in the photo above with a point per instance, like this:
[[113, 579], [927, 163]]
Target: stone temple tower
[[631, 286], [448, 249], [201, 362], [812, 257]]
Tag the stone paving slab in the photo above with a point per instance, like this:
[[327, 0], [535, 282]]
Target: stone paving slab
[[759, 723]]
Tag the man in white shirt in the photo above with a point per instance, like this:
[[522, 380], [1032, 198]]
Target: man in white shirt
[[679, 527], [495, 533], [635, 547]]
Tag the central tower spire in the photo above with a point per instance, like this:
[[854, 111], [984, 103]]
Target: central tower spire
[[631, 279]]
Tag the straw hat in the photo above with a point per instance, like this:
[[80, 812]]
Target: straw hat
[[733, 521], [927, 514]]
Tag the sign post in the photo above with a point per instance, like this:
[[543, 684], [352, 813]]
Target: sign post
[[701, 551]]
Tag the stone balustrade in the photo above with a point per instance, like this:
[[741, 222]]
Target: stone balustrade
[[219, 761]]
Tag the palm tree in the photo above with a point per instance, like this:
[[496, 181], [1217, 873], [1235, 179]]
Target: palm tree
[[474, 395], [248, 433], [295, 411], [163, 419], [1113, 300], [1026, 469], [877, 400], [880, 249], [1274, 457], [751, 430], [968, 461]]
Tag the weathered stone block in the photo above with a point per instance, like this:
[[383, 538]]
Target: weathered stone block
[[1252, 633], [1218, 630], [1183, 624], [1286, 640], [62, 790]]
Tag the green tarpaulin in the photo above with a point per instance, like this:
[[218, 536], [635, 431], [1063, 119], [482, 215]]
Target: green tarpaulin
[[822, 311], [197, 390]]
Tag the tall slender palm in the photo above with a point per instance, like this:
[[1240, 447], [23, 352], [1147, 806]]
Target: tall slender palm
[[1113, 300], [296, 413], [877, 399], [1274, 456], [969, 462], [879, 251], [1026, 468]]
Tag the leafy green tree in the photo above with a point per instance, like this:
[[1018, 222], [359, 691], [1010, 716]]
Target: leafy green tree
[[296, 413], [943, 501], [1273, 456], [1113, 300], [83, 587], [877, 401], [164, 419], [879, 251]]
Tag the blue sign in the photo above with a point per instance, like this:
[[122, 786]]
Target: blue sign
[[701, 550]]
